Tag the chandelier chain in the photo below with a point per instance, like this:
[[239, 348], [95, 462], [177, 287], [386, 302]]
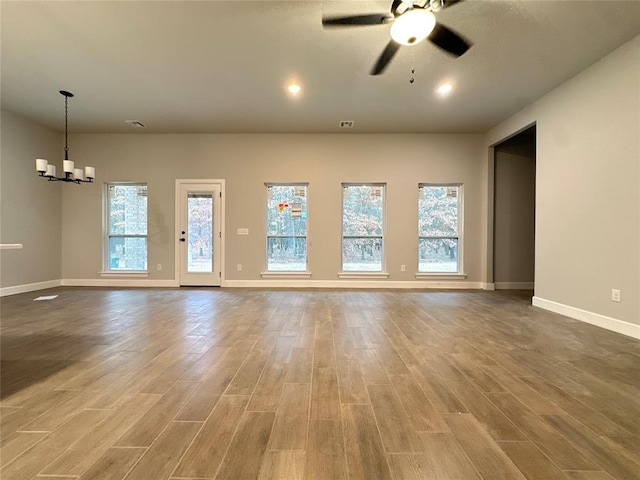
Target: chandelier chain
[[66, 121]]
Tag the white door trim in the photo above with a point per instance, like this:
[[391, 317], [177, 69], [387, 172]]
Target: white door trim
[[189, 181]]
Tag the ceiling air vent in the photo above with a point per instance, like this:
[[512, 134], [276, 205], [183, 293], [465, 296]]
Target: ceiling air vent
[[135, 123], [346, 124]]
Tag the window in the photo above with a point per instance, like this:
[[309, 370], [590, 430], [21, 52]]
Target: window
[[126, 243], [439, 214], [362, 228], [286, 228]]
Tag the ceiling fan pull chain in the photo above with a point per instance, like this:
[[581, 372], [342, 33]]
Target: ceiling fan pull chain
[[413, 68]]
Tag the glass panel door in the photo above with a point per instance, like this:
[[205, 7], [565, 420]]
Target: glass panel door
[[199, 233]]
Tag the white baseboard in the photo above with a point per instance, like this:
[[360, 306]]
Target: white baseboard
[[30, 287], [118, 282], [267, 283], [514, 285], [488, 286], [613, 324], [377, 284]]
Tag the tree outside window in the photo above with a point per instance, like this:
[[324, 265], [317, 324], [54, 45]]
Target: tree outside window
[[286, 228], [362, 227], [439, 228], [127, 227]]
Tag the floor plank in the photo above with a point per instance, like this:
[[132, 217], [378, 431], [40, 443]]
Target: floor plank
[[292, 418], [283, 465], [485, 454], [395, 427], [144, 431], [44, 452], [363, 445], [204, 456], [165, 453], [560, 450], [531, 461], [611, 458], [114, 464], [326, 452], [445, 458], [245, 455], [95, 443]]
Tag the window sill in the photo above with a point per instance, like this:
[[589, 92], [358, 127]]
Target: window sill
[[285, 274], [363, 275], [124, 273], [443, 276]]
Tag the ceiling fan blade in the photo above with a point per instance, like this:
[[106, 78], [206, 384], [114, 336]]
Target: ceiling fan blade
[[450, 3], [448, 40], [385, 57], [357, 20], [398, 7]]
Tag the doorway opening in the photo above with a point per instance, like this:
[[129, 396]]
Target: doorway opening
[[514, 212]]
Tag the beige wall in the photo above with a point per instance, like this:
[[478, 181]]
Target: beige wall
[[29, 206], [588, 186], [514, 215], [246, 162]]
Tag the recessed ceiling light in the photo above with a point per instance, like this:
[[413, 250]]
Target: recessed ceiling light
[[294, 88], [444, 89]]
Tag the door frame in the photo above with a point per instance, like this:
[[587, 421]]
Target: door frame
[[177, 227]]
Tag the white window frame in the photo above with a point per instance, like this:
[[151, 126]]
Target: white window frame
[[106, 268], [284, 273], [382, 273], [460, 220]]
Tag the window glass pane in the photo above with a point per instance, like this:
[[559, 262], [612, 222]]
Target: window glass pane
[[362, 210], [286, 210], [362, 254], [286, 228], [438, 211], [127, 209], [200, 232], [439, 228], [286, 254], [362, 227], [127, 253], [438, 255]]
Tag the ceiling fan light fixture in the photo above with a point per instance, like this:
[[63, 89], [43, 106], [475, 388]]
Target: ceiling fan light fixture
[[412, 27]]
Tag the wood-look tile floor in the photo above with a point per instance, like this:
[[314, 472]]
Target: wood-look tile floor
[[283, 384]]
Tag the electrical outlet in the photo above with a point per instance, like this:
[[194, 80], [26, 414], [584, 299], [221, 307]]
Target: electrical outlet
[[239, 267], [403, 268], [615, 295], [159, 267]]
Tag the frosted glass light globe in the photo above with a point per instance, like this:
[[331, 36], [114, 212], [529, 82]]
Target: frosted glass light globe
[[412, 27]]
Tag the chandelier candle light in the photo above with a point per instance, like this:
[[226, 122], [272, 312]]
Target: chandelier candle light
[[71, 174]]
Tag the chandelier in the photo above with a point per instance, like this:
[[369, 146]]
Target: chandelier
[[71, 174]]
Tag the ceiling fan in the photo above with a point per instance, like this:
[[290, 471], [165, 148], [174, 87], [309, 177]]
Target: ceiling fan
[[411, 22]]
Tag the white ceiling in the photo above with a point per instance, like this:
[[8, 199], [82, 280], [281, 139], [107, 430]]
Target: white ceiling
[[222, 66]]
